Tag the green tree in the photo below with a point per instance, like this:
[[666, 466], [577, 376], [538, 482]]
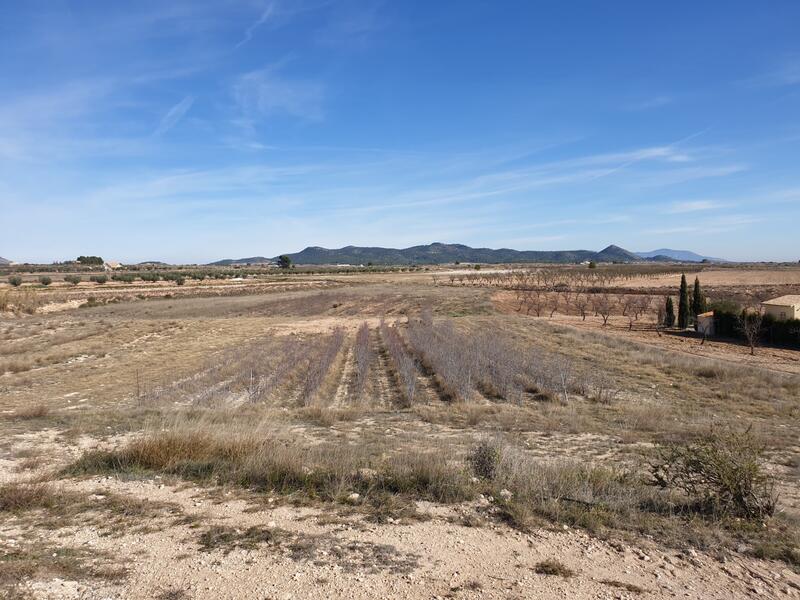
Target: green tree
[[699, 305], [73, 279], [45, 280], [15, 280], [592, 264], [90, 260], [683, 304], [284, 262], [669, 313]]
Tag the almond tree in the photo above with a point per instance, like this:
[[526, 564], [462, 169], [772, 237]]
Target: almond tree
[[581, 303], [604, 306], [749, 323]]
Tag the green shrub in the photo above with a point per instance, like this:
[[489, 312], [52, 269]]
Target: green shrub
[[722, 475], [73, 279], [15, 280], [45, 280], [100, 279], [485, 459]]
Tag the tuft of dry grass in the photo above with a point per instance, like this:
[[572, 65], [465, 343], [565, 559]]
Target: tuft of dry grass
[[37, 559], [551, 566], [327, 416], [628, 587], [228, 539], [52, 507], [254, 460], [172, 593], [20, 497], [34, 411]]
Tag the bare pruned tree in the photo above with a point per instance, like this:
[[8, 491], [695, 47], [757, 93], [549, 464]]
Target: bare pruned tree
[[749, 323], [604, 306], [535, 300], [553, 302], [581, 302]]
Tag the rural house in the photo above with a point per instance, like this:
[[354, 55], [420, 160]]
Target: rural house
[[783, 308], [705, 323]]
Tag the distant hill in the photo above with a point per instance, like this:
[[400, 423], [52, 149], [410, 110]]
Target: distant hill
[[153, 263], [678, 255], [616, 254], [4, 261], [253, 260], [438, 253]]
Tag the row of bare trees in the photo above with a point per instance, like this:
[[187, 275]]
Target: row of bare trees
[[319, 363], [254, 372], [363, 357], [402, 362], [464, 362], [558, 277], [602, 304]]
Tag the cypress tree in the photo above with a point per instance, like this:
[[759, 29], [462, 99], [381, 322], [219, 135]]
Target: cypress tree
[[669, 313], [698, 299], [683, 305]]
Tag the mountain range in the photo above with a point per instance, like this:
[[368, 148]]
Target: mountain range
[[4, 261], [678, 255], [438, 253]]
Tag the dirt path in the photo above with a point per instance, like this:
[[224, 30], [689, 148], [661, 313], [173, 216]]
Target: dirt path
[[342, 398], [383, 388]]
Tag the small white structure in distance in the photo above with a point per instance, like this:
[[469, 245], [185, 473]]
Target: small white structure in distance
[[705, 323]]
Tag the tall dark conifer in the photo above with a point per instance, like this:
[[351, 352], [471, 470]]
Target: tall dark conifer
[[669, 313], [698, 299], [683, 305]]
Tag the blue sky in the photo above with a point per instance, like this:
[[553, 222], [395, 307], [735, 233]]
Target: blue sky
[[190, 131]]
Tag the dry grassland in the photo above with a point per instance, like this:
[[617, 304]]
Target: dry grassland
[[383, 436]]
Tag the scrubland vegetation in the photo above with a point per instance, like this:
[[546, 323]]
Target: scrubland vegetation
[[373, 401]]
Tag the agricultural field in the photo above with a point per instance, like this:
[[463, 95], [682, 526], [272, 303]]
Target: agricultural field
[[508, 432]]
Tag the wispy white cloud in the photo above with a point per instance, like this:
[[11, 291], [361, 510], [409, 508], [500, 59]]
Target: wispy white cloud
[[715, 225], [694, 206], [174, 115], [352, 24], [649, 180], [785, 74], [266, 14], [265, 93]]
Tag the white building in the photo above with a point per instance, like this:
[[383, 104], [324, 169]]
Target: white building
[[705, 323], [783, 308]]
